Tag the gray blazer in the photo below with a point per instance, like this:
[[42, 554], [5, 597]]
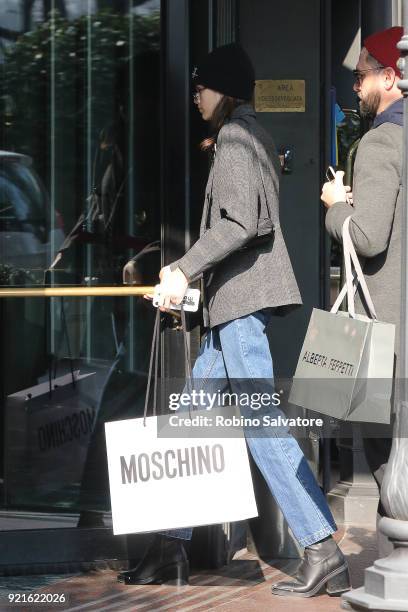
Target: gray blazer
[[238, 281], [375, 226]]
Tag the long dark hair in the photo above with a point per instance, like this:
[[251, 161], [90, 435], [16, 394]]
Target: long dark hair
[[221, 114]]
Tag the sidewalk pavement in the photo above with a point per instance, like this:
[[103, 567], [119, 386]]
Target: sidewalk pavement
[[242, 586]]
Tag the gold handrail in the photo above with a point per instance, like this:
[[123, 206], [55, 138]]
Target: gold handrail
[[121, 291]]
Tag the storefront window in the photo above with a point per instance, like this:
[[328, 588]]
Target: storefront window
[[79, 197]]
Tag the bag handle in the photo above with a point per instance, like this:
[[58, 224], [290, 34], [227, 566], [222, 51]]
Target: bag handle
[[154, 356], [153, 351], [349, 289]]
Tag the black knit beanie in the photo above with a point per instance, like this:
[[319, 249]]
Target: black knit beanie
[[227, 70]]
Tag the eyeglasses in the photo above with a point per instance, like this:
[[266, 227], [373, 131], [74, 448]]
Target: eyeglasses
[[197, 93], [359, 75]]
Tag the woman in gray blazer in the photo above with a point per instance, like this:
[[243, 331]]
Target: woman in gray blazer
[[242, 260]]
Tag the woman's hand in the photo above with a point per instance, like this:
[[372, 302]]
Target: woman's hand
[[334, 191], [173, 286]]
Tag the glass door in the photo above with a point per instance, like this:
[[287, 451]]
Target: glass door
[[80, 177]]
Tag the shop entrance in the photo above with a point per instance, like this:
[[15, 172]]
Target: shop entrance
[[81, 195]]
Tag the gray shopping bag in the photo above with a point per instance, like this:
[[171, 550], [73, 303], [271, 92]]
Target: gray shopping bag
[[345, 368]]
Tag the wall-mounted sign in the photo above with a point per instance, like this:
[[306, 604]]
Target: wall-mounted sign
[[280, 96]]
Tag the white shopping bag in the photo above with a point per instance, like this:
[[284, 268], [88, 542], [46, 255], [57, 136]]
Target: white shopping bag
[[159, 482], [164, 483]]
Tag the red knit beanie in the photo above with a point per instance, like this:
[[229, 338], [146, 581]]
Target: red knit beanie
[[383, 47]]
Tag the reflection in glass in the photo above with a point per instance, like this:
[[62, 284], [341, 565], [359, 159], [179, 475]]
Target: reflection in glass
[[79, 198]]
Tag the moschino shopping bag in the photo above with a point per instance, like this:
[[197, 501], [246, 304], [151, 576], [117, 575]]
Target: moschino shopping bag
[[159, 483], [345, 368]]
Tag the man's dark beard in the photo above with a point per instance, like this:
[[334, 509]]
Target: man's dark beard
[[370, 105]]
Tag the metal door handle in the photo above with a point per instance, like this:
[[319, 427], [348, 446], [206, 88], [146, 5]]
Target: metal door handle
[[286, 155]]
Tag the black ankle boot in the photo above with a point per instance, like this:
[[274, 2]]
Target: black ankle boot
[[323, 564], [165, 561]]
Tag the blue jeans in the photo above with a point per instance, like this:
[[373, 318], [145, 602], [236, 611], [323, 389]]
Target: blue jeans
[[240, 350]]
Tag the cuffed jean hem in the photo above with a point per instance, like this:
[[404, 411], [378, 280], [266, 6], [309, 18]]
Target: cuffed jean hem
[[185, 534], [316, 537], [181, 534]]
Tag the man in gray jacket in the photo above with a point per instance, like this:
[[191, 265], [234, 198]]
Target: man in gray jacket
[[375, 206]]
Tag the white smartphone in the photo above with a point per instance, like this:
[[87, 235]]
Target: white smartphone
[[331, 176], [191, 299], [330, 173]]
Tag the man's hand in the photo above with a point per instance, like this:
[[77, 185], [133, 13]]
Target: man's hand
[[173, 286], [334, 191]]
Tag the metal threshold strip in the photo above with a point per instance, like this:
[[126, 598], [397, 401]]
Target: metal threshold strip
[[80, 291]]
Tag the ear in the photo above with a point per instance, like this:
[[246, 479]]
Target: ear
[[389, 77]]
